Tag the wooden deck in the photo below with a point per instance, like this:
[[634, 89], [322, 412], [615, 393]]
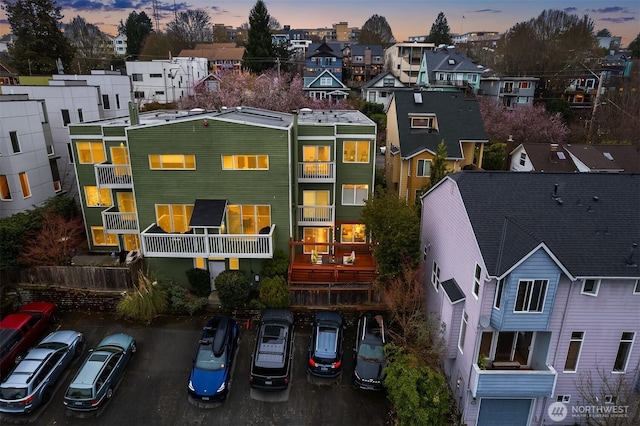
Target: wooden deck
[[332, 269]]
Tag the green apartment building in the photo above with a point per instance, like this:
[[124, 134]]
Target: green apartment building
[[224, 190]]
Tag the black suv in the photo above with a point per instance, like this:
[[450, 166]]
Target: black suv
[[369, 354], [273, 353], [325, 350]]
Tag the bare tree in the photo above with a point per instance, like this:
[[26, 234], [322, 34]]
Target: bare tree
[[93, 47], [191, 27], [55, 243], [596, 386]]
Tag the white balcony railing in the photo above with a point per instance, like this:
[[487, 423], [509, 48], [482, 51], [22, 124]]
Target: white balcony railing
[[115, 222], [162, 244], [318, 172], [316, 215], [113, 175]]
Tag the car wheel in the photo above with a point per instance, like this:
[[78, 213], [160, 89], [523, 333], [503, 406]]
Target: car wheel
[[109, 393], [134, 348]]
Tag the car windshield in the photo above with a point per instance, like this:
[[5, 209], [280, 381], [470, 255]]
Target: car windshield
[[206, 360], [370, 352], [52, 345], [11, 394], [79, 393]]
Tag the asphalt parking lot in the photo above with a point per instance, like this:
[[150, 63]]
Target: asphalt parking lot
[[153, 390]]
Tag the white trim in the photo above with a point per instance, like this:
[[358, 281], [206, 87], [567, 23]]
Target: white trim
[[596, 287], [499, 291], [626, 361], [476, 281], [464, 324], [636, 288], [571, 339], [534, 250], [436, 282], [544, 297]]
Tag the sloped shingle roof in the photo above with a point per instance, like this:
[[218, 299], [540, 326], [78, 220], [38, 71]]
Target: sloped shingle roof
[[589, 225], [544, 160], [458, 118]]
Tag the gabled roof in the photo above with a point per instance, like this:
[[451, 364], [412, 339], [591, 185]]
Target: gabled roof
[[335, 82], [448, 59], [372, 83], [458, 118], [324, 50], [588, 221], [614, 158], [544, 158]]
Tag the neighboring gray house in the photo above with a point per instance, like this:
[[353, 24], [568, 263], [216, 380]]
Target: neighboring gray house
[[446, 68], [510, 91], [380, 89], [536, 277], [540, 157], [28, 170]]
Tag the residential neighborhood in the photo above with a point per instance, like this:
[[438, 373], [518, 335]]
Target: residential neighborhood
[[458, 226]]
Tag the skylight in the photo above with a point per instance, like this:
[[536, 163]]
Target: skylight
[[561, 155], [417, 98], [608, 156]]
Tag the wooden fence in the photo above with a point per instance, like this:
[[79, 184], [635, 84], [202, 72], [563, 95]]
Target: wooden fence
[[91, 278]]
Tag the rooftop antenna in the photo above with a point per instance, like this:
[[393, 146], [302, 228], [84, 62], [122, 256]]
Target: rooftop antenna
[[156, 15]]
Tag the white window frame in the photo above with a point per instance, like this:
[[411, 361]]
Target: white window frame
[[424, 122], [423, 163], [353, 188], [596, 287], [325, 81], [234, 157], [523, 158], [626, 361], [477, 277], [636, 287], [184, 162], [357, 153], [497, 298], [573, 340], [528, 296], [15, 142], [435, 276], [610, 399], [564, 398], [464, 322]]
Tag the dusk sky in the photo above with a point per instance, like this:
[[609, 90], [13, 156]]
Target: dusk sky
[[406, 17]]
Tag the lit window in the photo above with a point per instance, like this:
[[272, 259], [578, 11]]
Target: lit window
[[90, 152], [530, 296], [24, 185], [174, 217], [234, 264], [573, 354], [354, 195], [101, 239], [356, 152], [5, 193], [172, 162], [97, 197], [245, 162], [352, 233], [248, 219]]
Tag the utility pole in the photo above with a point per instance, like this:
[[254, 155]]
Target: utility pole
[[596, 102]]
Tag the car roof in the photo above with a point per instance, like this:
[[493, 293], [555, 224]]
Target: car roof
[[373, 331], [91, 368], [16, 320], [23, 372], [332, 317], [216, 333], [38, 307], [279, 315], [61, 336]]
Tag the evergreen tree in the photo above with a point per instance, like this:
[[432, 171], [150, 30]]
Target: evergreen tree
[[39, 39], [137, 27], [376, 31], [439, 165], [440, 32], [259, 54], [634, 47]]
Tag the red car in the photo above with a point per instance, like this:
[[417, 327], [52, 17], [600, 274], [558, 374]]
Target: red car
[[22, 330]]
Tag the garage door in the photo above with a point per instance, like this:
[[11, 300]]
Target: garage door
[[504, 412]]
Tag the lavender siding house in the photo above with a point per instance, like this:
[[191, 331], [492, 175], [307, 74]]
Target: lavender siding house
[[537, 278]]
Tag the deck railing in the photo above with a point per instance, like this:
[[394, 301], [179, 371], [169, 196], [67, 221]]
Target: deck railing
[[162, 244], [318, 172], [113, 175], [115, 222], [316, 215]]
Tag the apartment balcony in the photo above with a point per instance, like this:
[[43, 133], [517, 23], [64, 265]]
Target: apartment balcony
[[509, 90], [115, 176], [316, 172], [316, 215], [513, 382], [115, 222], [158, 243]]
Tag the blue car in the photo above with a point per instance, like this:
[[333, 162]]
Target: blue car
[[32, 381], [95, 382], [211, 373]]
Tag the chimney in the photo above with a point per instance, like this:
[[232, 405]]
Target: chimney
[[553, 153]]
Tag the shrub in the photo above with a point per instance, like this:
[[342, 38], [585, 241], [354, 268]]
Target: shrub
[[274, 292], [278, 265], [233, 289], [182, 301], [199, 281], [256, 304], [145, 302]]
